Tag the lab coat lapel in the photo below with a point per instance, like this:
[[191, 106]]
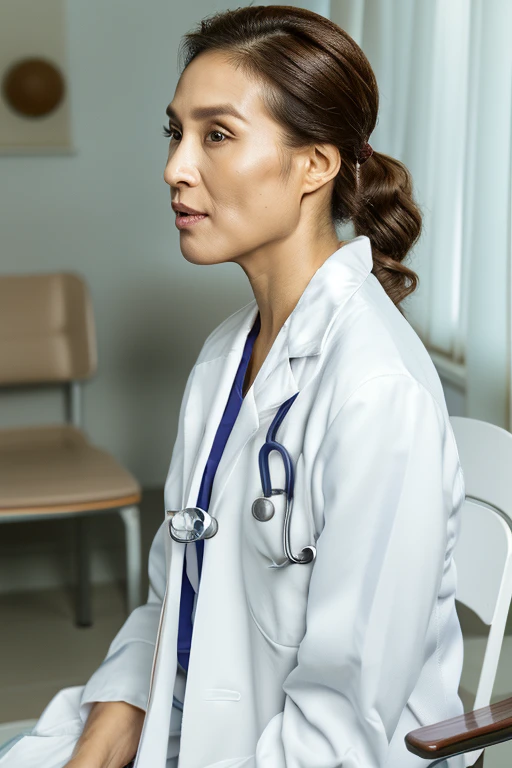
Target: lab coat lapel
[[267, 394], [209, 394], [208, 398]]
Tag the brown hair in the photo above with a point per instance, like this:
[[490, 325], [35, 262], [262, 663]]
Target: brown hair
[[319, 86]]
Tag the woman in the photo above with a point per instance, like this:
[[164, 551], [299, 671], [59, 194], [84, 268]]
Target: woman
[[325, 650]]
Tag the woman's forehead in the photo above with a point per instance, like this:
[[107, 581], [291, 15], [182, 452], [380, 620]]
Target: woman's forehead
[[212, 86]]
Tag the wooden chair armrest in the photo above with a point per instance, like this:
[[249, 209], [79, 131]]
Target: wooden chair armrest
[[472, 730]]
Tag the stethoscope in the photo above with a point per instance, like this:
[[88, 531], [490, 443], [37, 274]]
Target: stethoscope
[[193, 523]]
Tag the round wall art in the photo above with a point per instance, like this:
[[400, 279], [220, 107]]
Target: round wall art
[[33, 87], [36, 85]]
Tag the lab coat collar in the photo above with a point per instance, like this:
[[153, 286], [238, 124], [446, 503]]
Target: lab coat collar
[[306, 327], [303, 334], [329, 288]]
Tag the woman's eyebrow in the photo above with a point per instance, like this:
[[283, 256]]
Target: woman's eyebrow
[[201, 113]]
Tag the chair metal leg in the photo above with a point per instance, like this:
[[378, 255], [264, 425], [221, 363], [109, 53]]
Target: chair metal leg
[[131, 519], [83, 605]]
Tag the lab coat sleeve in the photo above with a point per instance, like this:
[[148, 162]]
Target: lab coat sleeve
[[125, 673], [388, 470]]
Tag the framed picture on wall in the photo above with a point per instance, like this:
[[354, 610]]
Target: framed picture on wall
[[34, 85]]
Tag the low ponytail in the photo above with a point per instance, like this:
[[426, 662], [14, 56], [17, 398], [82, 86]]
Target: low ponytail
[[383, 208]]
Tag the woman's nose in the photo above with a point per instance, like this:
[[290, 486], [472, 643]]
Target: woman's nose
[[174, 175], [181, 166]]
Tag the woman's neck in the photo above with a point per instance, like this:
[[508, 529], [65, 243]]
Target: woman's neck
[[278, 288]]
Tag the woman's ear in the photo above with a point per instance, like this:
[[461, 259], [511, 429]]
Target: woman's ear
[[322, 163]]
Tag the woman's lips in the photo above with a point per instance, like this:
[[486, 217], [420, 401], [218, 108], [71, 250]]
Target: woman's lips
[[183, 221]]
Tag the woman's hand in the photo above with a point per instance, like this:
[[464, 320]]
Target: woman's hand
[[110, 737]]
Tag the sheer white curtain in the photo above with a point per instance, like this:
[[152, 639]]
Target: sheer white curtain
[[444, 70]]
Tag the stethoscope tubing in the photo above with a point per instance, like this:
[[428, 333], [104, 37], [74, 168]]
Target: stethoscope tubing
[[199, 524], [271, 444]]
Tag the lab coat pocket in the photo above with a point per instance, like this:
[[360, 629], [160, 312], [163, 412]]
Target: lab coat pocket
[[276, 588]]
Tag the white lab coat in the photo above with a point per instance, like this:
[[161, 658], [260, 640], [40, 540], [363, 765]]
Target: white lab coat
[[325, 665]]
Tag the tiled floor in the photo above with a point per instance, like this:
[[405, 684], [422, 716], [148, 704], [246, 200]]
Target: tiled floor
[[41, 648], [42, 651]]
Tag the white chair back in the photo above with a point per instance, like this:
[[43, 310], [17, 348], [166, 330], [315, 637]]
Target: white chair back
[[483, 556], [483, 553]]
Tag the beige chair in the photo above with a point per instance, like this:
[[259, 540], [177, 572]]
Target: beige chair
[[47, 336]]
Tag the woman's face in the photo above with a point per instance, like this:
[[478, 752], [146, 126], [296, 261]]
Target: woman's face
[[229, 167]]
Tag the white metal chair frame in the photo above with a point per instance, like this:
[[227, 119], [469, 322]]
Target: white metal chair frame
[[485, 539]]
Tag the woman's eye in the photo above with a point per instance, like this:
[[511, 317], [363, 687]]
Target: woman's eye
[[170, 132]]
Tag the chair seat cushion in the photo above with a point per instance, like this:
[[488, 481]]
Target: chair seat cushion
[[55, 465]]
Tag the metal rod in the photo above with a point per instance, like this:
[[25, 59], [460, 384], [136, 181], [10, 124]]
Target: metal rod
[[83, 604]]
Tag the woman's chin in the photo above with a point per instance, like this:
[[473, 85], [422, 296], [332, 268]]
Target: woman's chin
[[203, 253]]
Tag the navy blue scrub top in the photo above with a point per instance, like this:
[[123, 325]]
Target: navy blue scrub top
[[226, 425]]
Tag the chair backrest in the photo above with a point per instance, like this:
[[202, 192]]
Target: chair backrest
[[483, 553], [47, 331]]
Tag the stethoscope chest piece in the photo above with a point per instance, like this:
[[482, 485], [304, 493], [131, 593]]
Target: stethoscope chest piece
[[263, 509], [191, 524]]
